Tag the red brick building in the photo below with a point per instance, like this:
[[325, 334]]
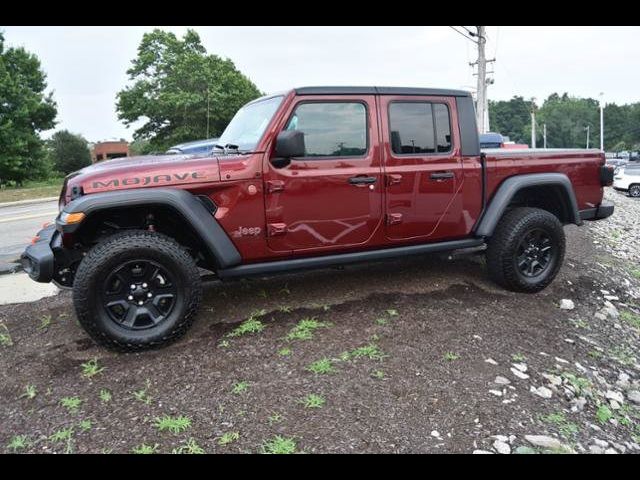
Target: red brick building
[[109, 149]]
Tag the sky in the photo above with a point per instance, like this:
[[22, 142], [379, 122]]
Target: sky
[[86, 66]]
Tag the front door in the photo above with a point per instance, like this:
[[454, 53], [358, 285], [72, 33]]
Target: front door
[[332, 197], [423, 168]]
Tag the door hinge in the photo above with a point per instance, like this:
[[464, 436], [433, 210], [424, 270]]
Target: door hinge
[[394, 218], [393, 179], [275, 186], [275, 229]]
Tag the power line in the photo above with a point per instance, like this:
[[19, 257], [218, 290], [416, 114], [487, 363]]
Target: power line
[[460, 33]]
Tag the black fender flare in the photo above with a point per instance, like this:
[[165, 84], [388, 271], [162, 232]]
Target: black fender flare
[[512, 185], [182, 202]]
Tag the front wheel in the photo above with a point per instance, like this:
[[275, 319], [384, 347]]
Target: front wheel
[[526, 250], [634, 191], [137, 290]]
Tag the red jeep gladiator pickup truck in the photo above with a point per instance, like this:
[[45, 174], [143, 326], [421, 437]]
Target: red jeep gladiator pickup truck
[[315, 177]]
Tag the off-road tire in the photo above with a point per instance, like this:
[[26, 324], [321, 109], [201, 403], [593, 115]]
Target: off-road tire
[[634, 190], [503, 246], [104, 258]]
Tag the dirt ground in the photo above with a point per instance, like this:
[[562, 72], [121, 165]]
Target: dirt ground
[[422, 384]]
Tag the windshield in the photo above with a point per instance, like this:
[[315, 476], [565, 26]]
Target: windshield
[[247, 126]]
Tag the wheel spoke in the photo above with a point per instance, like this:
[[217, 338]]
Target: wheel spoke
[[131, 316], [155, 315]]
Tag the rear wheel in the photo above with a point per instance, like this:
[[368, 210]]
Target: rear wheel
[[634, 191], [526, 250], [137, 290]]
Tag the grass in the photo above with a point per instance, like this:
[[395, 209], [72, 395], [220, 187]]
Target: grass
[[635, 273], [392, 312], [580, 384], [228, 438], [623, 355], [142, 395], [189, 448], [275, 418], [250, 325], [370, 351], [285, 352], [518, 357], [172, 424], [603, 414], [72, 404], [91, 368], [45, 322], [285, 289], [313, 401], [565, 427], [223, 344], [48, 188], [594, 354], [305, 328], [105, 395], [631, 318], [239, 387], [19, 442], [451, 356], [5, 336], [285, 308], [64, 435], [30, 392], [279, 445], [322, 366], [381, 321], [379, 374], [85, 425], [144, 449]]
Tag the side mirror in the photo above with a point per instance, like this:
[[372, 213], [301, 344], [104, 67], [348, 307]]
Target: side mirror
[[290, 143]]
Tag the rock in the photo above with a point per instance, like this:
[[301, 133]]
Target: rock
[[561, 360], [595, 449], [612, 298], [502, 380], [578, 404], [569, 340], [545, 441], [554, 380], [435, 434], [543, 392], [523, 450], [611, 451], [482, 452], [566, 304], [634, 396], [477, 337], [609, 310], [501, 438], [600, 443], [491, 361], [502, 447], [615, 396], [519, 374], [614, 405], [623, 381], [497, 393], [520, 366], [621, 448]]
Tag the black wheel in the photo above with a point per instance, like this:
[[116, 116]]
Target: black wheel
[[137, 290], [634, 191], [526, 250]]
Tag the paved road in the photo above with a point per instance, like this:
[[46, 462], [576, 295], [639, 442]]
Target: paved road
[[19, 223]]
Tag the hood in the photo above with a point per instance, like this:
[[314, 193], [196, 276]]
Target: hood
[[143, 172]]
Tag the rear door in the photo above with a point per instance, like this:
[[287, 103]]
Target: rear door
[[423, 167], [332, 197]]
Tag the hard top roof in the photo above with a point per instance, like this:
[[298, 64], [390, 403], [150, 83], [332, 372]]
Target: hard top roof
[[380, 91]]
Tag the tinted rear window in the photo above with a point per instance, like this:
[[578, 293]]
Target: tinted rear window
[[419, 128]]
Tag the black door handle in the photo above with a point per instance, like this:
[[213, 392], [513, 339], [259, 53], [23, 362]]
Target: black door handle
[[441, 175], [362, 180]]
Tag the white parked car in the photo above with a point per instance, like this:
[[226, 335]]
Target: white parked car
[[626, 178]]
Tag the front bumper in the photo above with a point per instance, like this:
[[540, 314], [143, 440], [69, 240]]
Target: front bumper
[[604, 210], [38, 259]]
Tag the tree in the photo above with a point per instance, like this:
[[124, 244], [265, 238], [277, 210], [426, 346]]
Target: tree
[[25, 110], [68, 152], [511, 118], [179, 89], [567, 119]]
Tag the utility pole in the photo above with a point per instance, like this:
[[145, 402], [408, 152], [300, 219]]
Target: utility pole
[[587, 129], [482, 100], [601, 123], [533, 123], [208, 112], [544, 134]]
